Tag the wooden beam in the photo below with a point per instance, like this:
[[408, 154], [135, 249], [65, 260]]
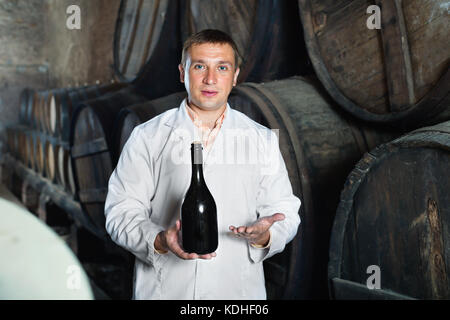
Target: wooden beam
[[55, 193]]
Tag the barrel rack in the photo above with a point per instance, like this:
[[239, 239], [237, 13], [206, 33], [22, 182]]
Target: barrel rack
[[56, 193]]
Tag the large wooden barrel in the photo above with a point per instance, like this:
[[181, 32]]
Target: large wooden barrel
[[134, 115], [147, 46], [266, 34], [397, 74], [138, 31], [320, 146], [91, 142], [394, 214]]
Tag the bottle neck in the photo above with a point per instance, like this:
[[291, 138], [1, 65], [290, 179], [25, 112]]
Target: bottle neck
[[197, 165], [197, 174]]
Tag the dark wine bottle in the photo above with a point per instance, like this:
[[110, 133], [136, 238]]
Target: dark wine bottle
[[199, 212]]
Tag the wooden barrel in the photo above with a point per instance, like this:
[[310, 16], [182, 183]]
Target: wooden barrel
[[138, 30], [320, 146], [20, 143], [37, 110], [147, 44], [64, 168], [134, 115], [25, 103], [22, 150], [46, 119], [91, 142], [34, 112], [31, 103], [62, 102], [60, 111], [12, 137], [394, 214], [397, 74], [51, 151], [41, 111], [35, 149], [39, 152], [266, 34], [29, 145]]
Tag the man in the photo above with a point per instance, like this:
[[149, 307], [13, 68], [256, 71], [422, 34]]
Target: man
[[257, 212]]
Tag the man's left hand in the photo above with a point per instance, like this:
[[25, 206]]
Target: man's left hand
[[258, 232]]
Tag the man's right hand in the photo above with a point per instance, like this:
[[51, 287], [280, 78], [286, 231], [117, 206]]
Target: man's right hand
[[170, 240]]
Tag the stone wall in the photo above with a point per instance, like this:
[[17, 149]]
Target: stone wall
[[37, 50]]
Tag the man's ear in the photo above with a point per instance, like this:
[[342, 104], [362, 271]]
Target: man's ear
[[236, 74], [180, 67]]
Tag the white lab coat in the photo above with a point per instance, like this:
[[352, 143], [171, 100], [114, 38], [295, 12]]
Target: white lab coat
[[146, 192]]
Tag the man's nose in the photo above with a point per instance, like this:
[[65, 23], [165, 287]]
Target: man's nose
[[210, 77]]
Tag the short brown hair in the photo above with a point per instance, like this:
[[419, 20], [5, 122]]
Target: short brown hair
[[210, 36]]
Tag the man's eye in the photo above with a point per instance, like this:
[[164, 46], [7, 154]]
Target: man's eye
[[223, 68], [198, 67]]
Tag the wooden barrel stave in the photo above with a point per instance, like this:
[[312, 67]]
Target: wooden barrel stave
[[398, 194]]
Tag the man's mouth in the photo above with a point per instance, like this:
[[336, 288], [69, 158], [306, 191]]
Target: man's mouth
[[209, 93]]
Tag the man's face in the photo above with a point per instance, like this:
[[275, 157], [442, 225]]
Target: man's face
[[209, 75]]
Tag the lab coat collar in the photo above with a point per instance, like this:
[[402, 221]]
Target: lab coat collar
[[183, 126]]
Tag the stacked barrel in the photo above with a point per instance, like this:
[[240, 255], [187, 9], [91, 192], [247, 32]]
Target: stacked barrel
[[39, 141], [393, 209]]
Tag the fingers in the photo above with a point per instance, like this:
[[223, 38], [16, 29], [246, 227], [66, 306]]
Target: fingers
[[176, 248], [244, 232], [258, 228], [278, 217], [207, 256]]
